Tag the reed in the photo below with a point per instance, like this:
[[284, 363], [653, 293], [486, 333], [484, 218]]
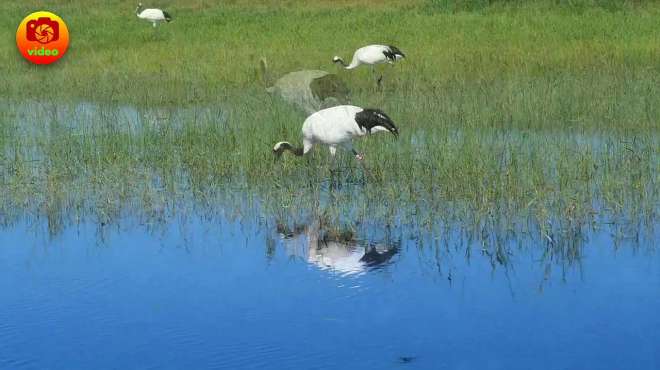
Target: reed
[[502, 112]]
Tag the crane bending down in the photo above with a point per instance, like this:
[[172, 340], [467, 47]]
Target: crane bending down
[[372, 55], [337, 126], [152, 15]]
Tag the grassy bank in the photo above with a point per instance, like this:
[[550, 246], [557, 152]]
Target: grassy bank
[[212, 49], [517, 109]]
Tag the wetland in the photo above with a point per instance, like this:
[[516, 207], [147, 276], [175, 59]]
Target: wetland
[[145, 223]]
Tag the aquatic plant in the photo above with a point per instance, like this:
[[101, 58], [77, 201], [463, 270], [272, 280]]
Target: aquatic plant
[[506, 115]]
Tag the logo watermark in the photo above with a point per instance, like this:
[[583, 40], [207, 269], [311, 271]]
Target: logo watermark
[[42, 37]]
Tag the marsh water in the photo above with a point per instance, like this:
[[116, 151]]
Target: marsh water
[[229, 283]]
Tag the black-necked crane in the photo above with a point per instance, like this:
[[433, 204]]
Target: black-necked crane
[[337, 127], [152, 15], [372, 55]]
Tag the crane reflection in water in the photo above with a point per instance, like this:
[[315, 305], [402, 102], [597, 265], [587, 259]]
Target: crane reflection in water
[[335, 249]]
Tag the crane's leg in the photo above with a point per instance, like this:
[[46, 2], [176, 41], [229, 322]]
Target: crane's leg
[[154, 24], [349, 146], [307, 146], [378, 79], [333, 162], [359, 157]]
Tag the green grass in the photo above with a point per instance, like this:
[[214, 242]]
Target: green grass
[[212, 49], [543, 111]]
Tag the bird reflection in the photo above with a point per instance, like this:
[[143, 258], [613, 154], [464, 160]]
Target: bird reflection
[[333, 249]]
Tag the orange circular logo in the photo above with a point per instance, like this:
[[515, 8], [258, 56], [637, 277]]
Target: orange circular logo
[[42, 37]]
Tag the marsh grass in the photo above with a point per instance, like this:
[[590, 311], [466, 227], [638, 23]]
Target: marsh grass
[[436, 165], [512, 112]]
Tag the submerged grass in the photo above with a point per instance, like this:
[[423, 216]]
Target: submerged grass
[[512, 111]]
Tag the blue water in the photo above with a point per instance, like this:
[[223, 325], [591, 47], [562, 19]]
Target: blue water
[[240, 295]]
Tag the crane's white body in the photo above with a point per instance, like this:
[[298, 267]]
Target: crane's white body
[[335, 126], [372, 55], [152, 15]]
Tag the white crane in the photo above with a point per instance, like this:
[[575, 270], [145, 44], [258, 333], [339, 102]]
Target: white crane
[[152, 15], [337, 126], [372, 55]]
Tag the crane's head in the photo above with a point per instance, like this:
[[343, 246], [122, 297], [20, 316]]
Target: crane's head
[[374, 120]]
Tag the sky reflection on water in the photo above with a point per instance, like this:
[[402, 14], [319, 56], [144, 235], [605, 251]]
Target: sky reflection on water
[[239, 294]]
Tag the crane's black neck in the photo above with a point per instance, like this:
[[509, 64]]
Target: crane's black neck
[[341, 61]]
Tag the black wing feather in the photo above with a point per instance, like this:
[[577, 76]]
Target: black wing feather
[[370, 118], [395, 51]]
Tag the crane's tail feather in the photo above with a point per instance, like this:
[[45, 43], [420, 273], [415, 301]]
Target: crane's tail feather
[[280, 147], [168, 17]]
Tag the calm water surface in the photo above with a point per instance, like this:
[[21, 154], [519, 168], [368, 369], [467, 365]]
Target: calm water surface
[[243, 295]]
